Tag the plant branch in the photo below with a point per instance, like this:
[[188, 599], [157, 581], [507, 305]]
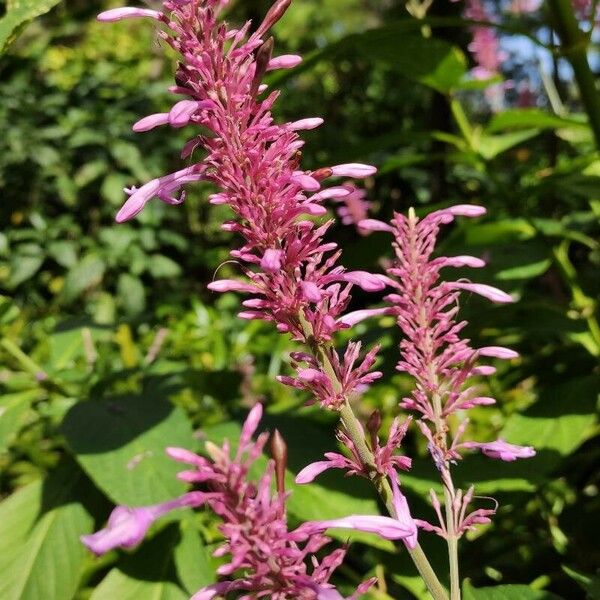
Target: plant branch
[[574, 45]]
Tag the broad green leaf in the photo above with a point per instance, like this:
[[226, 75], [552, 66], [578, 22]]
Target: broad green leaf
[[13, 409], [439, 65], [560, 421], [148, 574], [490, 146], [527, 271], [87, 273], [41, 556], [18, 14], [120, 442], [527, 118], [193, 561], [506, 592]]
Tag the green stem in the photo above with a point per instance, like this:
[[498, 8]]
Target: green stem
[[574, 44], [355, 433], [452, 545], [27, 363], [352, 427]]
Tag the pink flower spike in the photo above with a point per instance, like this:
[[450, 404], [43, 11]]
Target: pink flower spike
[[487, 291], [150, 122], [498, 352], [127, 12], [271, 260], [305, 124], [501, 450], [367, 281], [466, 210], [360, 315], [356, 170], [375, 225], [285, 61], [127, 527], [231, 285]]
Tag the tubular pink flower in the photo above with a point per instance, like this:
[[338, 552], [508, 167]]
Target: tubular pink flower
[[386, 527], [150, 122], [118, 14], [375, 225], [355, 170], [403, 515], [357, 316], [501, 450], [285, 61], [127, 527], [487, 291], [364, 280], [498, 352], [231, 285], [305, 124], [460, 261]]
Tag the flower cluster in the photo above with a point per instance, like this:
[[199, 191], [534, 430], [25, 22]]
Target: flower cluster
[[266, 559], [291, 273], [442, 363]]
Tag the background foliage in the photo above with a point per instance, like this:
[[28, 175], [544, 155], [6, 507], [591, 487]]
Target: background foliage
[[111, 347]]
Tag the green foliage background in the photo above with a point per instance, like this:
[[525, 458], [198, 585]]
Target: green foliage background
[[111, 348]]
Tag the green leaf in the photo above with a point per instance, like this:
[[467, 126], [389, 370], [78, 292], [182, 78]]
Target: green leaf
[[131, 293], [193, 561], [162, 266], [18, 14], [24, 263], [87, 273], [13, 409], [41, 557], [527, 118], [490, 146], [506, 592], [148, 574], [63, 252], [589, 583], [440, 65], [120, 442]]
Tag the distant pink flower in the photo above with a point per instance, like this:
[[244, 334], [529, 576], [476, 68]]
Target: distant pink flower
[[353, 207]]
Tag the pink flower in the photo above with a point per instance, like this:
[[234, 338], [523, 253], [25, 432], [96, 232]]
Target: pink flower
[[349, 379], [501, 450], [127, 526]]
